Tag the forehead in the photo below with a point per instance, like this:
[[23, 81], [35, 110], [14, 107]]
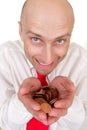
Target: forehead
[[48, 16]]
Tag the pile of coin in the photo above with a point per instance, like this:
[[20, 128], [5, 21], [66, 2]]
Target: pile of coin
[[48, 95]]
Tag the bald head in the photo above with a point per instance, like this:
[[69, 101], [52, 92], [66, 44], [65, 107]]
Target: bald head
[[49, 17], [49, 6]]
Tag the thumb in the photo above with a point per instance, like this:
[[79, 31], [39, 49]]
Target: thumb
[[30, 85]]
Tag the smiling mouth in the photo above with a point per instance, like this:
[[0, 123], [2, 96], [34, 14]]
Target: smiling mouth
[[43, 64]]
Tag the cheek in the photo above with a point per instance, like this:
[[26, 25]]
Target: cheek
[[31, 50], [28, 49], [61, 52]]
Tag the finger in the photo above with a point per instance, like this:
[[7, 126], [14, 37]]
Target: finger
[[30, 85], [54, 115], [63, 103], [64, 83], [41, 116], [57, 112], [69, 85], [64, 86], [51, 120], [27, 101]]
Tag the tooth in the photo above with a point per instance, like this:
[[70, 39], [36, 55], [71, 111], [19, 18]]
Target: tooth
[[44, 64]]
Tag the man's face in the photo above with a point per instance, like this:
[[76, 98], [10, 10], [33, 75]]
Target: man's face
[[46, 36]]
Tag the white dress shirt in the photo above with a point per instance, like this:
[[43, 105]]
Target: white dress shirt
[[15, 67]]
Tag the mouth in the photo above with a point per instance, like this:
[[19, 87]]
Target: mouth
[[44, 64]]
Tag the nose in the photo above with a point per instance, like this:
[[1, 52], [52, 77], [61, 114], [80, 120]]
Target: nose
[[48, 54]]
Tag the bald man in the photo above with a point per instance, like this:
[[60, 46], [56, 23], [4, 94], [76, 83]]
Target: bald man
[[45, 28]]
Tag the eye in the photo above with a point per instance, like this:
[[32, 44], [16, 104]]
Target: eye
[[35, 39], [60, 41]]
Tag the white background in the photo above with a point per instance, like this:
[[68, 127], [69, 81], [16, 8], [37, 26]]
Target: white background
[[10, 15]]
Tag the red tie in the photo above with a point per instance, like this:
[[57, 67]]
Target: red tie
[[34, 124]]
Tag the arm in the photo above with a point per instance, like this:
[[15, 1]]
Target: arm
[[16, 108], [11, 108]]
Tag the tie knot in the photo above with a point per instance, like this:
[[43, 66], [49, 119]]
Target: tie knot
[[40, 76], [42, 79]]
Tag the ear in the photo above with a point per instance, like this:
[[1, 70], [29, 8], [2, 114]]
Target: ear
[[20, 28]]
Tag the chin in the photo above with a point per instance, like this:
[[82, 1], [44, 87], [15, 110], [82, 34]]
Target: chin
[[44, 71]]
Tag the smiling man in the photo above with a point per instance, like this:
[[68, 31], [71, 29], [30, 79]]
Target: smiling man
[[45, 28], [46, 32]]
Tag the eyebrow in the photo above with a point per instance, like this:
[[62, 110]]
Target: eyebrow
[[64, 35], [31, 32]]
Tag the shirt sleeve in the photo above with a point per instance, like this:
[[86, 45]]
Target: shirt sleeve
[[12, 111], [76, 117]]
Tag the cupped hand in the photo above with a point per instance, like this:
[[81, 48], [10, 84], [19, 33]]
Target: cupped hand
[[66, 91], [25, 95]]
